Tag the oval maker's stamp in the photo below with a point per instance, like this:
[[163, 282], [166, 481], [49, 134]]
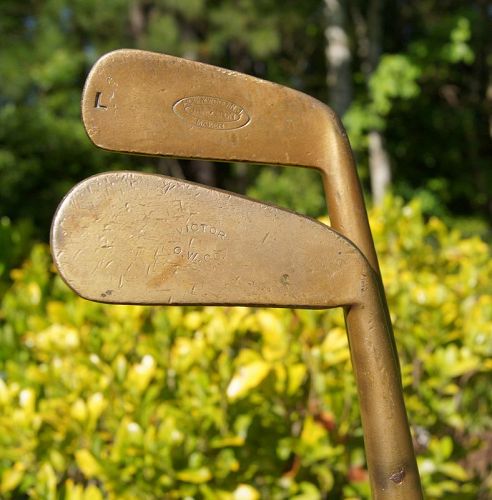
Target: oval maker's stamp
[[211, 112]]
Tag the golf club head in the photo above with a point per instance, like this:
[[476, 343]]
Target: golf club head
[[155, 104], [133, 238]]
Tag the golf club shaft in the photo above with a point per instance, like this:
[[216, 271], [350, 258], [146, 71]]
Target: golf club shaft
[[389, 450]]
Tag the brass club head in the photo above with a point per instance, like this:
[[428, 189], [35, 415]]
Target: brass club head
[[135, 238], [147, 103]]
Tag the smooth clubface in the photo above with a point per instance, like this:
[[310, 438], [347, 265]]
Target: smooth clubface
[[135, 238]]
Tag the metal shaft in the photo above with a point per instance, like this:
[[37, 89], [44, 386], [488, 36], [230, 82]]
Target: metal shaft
[[389, 450]]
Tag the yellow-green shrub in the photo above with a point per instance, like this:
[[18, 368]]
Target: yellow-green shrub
[[235, 403]]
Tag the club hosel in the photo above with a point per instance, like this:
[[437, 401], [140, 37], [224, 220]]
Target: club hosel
[[343, 190], [389, 451]]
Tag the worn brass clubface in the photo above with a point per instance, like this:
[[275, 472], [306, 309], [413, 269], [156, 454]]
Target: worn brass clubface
[[131, 238], [147, 103]]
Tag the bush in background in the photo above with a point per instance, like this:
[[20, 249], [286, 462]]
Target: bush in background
[[15, 242], [129, 402]]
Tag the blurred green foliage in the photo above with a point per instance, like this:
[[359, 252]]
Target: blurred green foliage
[[15, 244], [130, 402], [427, 95], [289, 187]]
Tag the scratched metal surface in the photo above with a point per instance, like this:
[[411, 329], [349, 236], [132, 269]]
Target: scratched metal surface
[[147, 103], [126, 237]]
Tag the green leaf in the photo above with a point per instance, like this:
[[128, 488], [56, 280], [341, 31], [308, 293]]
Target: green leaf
[[196, 476], [87, 463], [248, 377], [245, 492], [12, 477], [297, 374], [454, 471], [312, 431]]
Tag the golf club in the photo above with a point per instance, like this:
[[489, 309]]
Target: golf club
[[155, 104], [135, 238]]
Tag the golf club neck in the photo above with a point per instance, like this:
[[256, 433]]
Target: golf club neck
[[344, 195]]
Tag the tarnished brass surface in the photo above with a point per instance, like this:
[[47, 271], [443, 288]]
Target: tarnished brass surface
[[135, 238], [155, 104], [146, 103]]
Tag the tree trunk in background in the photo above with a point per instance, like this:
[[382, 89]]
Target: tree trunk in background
[[338, 57], [138, 17], [170, 166], [485, 100], [488, 99], [379, 162], [368, 32], [488, 104], [379, 166]]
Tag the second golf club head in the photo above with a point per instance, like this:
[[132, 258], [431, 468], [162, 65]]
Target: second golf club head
[[132, 238]]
